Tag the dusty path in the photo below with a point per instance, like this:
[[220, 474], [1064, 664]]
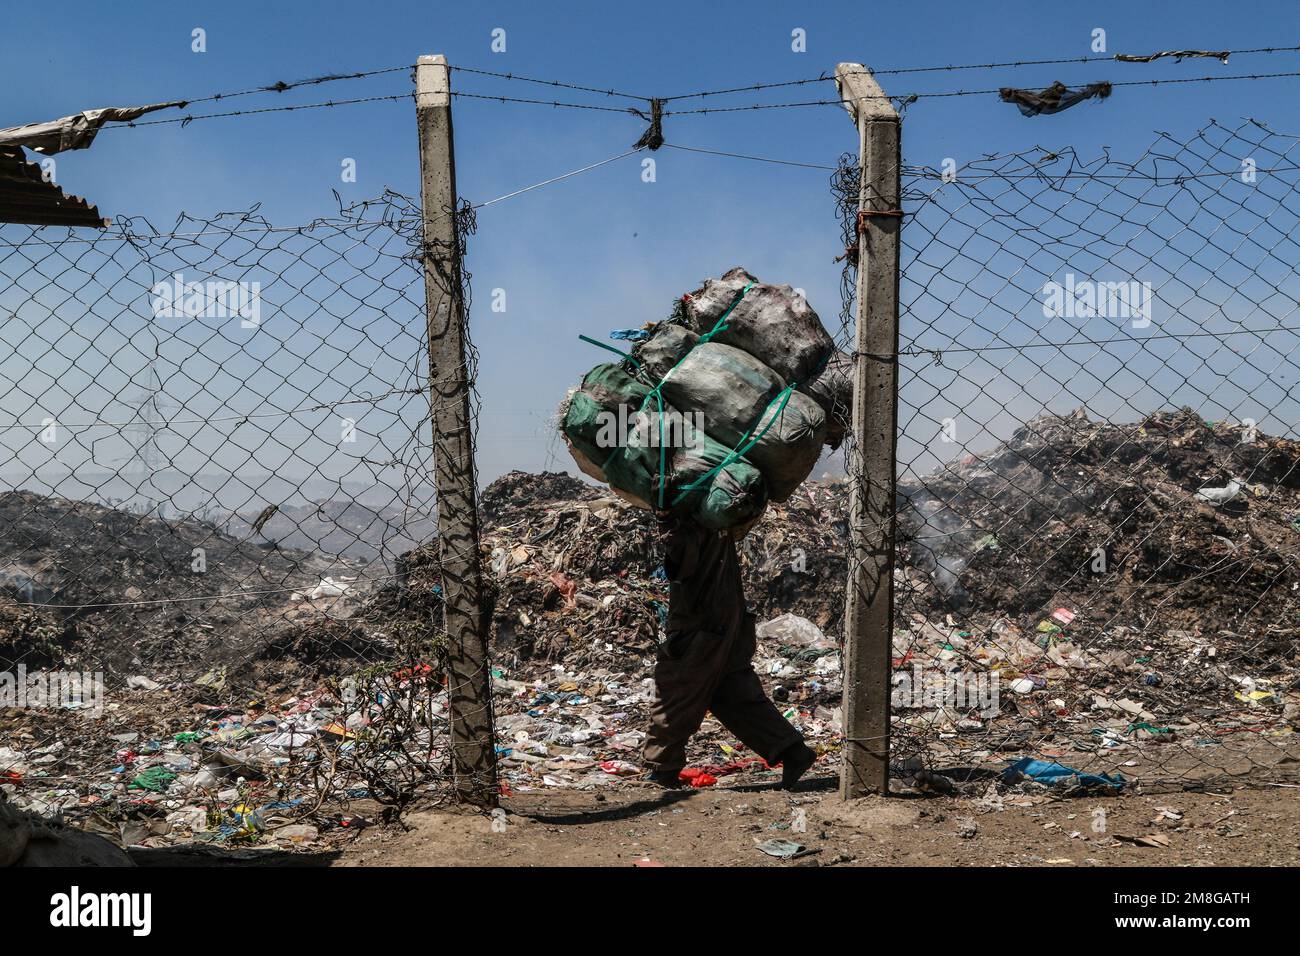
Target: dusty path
[[721, 827]]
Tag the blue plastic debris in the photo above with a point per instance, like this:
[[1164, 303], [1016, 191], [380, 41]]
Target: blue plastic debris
[[281, 805], [661, 610], [629, 335], [1055, 774]]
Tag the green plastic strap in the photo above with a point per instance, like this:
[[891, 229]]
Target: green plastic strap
[[610, 348], [740, 452], [720, 325], [663, 452]]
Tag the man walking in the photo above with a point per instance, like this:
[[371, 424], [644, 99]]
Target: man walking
[[705, 662]]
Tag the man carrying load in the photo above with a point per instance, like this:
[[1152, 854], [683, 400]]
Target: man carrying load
[[705, 662], [752, 366]]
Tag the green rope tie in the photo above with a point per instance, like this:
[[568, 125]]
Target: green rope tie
[[610, 348]]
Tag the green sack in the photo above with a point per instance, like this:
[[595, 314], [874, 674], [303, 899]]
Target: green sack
[[719, 499], [609, 422], [738, 395]]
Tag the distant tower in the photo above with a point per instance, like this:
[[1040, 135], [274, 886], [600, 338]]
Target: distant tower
[[146, 424]]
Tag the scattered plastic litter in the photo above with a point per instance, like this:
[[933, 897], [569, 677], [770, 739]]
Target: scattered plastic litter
[[783, 849], [1221, 496]]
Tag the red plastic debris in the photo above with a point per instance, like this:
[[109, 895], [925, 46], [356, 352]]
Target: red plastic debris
[[696, 777], [566, 586], [421, 671]]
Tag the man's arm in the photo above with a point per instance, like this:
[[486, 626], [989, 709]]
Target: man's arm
[[681, 551]]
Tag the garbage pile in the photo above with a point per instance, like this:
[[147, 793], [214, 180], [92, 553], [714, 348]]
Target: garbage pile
[[1095, 607], [253, 741], [117, 591], [162, 765], [339, 721], [1119, 605], [718, 409]]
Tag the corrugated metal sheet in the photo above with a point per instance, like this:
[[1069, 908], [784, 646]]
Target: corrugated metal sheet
[[26, 196]]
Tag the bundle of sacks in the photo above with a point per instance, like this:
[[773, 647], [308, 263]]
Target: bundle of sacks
[[717, 410]]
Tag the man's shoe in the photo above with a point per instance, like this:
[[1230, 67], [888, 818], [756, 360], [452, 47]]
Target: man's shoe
[[668, 779], [795, 762]]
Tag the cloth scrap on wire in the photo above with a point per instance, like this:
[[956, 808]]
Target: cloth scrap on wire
[[653, 137], [1220, 55], [1055, 98], [629, 335], [74, 132]]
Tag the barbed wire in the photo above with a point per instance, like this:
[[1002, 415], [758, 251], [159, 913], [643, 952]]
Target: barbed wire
[[901, 101], [895, 71], [282, 87], [327, 104], [905, 98], [556, 83], [557, 104], [901, 71]]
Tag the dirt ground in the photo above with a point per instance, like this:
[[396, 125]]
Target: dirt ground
[[721, 826]]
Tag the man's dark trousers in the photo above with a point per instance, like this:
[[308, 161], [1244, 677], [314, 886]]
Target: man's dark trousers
[[712, 672]]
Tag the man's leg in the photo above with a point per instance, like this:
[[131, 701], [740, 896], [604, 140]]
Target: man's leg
[[745, 710], [740, 702], [687, 670]]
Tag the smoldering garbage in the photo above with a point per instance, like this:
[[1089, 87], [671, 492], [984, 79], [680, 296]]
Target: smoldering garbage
[[1178, 661]]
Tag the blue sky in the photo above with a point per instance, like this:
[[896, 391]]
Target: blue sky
[[605, 249]]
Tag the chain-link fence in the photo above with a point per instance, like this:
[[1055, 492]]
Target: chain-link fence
[[219, 446], [220, 443], [1099, 482]]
